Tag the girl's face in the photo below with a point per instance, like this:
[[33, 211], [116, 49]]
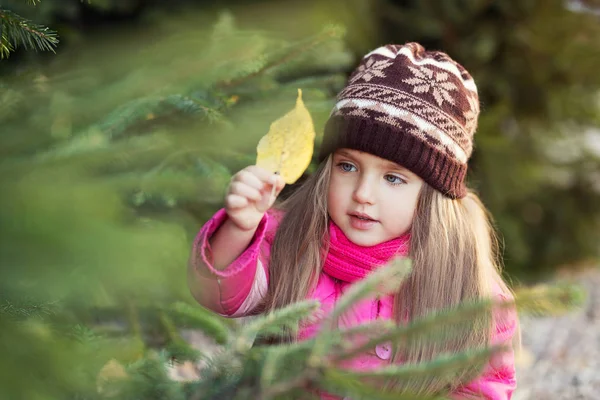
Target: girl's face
[[371, 199]]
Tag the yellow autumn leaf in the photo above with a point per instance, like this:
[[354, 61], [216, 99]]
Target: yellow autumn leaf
[[288, 146]]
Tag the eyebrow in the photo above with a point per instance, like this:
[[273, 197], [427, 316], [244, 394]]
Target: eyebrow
[[388, 164], [393, 165], [344, 153]]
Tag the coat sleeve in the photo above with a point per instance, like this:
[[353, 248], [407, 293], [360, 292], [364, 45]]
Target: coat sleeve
[[236, 290], [498, 379]]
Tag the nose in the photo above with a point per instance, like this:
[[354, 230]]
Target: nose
[[364, 191]]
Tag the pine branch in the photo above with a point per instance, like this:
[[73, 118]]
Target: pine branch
[[104, 134], [273, 322], [537, 300], [26, 308], [209, 324], [149, 108], [348, 382], [445, 366], [335, 381], [383, 281], [464, 312], [292, 359], [149, 380], [370, 328], [177, 348], [275, 357], [291, 53], [180, 351], [281, 388], [16, 30], [550, 300]]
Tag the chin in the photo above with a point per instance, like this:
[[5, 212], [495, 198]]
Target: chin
[[361, 239]]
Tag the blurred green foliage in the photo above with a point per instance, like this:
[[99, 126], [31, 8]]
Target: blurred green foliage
[[112, 157], [114, 151], [536, 162]]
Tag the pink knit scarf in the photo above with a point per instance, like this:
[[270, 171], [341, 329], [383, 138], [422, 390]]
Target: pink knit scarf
[[349, 262]]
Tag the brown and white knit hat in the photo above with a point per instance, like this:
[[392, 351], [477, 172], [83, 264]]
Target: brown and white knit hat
[[415, 107]]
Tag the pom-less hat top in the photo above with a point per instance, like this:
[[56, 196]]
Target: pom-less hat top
[[415, 107]]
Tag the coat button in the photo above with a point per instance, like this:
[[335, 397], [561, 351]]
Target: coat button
[[384, 350]]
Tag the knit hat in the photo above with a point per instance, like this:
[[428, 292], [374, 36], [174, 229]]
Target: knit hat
[[415, 107]]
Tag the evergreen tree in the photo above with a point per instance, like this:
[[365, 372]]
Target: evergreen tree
[[110, 163], [17, 31]]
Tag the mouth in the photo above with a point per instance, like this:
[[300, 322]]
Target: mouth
[[362, 216]]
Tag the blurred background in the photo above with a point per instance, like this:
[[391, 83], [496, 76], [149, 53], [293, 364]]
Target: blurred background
[[119, 135]]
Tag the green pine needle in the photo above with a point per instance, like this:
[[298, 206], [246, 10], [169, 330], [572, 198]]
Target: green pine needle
[[182, 351], [17, 31], [382, 281], [209, 323], [425, 325], [448, 366], [550, 300], [26, 308], [273, 323], [337, 382]]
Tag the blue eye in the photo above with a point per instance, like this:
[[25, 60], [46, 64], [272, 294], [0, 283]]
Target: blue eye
[[394, 180], [346, 167]]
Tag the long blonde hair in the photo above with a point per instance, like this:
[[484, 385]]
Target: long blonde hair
[[297, 253], [454, 252], [455, 256]]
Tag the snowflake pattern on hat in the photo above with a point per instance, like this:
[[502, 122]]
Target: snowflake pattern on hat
[[415, 107], [370, 69], [471, 114], [425, 79]]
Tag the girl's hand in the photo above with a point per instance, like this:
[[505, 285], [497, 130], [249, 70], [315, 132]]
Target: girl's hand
[[249, 196]]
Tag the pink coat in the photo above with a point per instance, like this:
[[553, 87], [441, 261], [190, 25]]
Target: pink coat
[[236, 290]]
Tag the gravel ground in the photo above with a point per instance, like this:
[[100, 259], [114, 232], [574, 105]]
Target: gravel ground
[[561, 355]]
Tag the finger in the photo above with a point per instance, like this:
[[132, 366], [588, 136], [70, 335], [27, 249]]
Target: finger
[[241, 189], [265, 202], [277, 182], [260, 173], [249, 179], [269, 195], [233, 201]]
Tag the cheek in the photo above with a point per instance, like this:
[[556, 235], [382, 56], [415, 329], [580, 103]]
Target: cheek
[[411, 207], [402, 215], [401, 209], [339, 195], [334, 196]]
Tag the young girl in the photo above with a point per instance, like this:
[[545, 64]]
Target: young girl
[[391, 182]]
